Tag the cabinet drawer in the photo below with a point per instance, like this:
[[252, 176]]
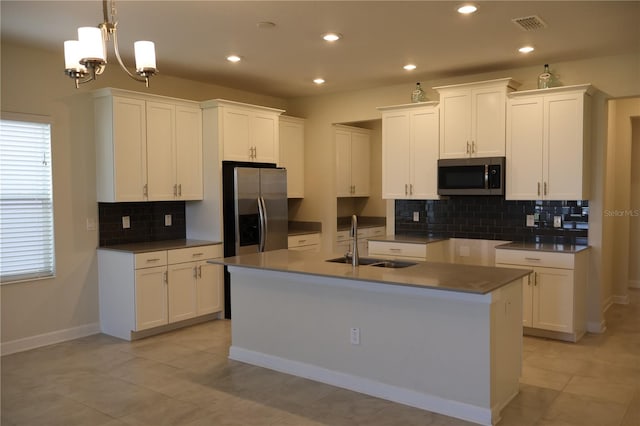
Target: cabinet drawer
[[535, 258], [397, 249], [303, 240], [377, 231], [151, 259], [194, 253], [342, 236]]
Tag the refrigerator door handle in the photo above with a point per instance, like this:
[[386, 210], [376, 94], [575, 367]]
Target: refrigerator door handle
[[262, 223]]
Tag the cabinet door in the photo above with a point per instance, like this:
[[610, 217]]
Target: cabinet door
[[182, 291], [553, 299], [161, 171], [564, 140], [455, 122], [360, 164], [396, 154], [343, 163], [292, 155], [488, 122], [151, 297], [424, 154], [188, 157], [524, 149], [527, 300], [129, 149], [235, 134], [209, 288], [264, 137]]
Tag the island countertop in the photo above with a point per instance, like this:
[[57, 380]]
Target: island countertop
[[432, 275]]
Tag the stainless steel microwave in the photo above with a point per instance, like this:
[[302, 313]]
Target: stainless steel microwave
[[471, 176]]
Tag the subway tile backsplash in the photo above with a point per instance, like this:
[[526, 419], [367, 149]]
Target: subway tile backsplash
[[147, 222], [494, 218]]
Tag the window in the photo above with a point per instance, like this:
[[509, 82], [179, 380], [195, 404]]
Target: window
[[26, 201]]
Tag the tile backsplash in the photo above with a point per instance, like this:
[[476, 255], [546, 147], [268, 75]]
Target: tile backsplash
[[147, 221], [494, 218]]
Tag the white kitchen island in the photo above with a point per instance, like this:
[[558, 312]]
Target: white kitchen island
[[441, 337]]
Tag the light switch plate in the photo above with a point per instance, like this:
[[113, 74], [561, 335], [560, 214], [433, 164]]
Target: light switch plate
[[531, 220], [126, 222], [557, 221], [91, 224], [416, 216], [167, 220]]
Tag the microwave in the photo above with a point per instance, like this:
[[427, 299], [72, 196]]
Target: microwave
[[471, 176]]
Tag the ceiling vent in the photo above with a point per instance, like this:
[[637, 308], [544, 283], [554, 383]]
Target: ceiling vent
[[529, 23]]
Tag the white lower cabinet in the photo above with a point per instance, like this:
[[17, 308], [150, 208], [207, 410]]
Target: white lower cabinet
[[304, 242], [343, 239], [554, 294], [433, 252], [144, 291]]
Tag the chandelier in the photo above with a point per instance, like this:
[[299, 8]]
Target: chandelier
[[86, 57]]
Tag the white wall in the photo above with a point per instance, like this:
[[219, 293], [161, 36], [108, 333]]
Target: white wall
[[33, 82]]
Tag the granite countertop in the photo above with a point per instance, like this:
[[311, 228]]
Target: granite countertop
[[431, 275], [145, 247], [538, 246], [302, 228], [344, 223]]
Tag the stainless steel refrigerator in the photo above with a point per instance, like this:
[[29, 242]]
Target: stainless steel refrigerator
[[255, 211]]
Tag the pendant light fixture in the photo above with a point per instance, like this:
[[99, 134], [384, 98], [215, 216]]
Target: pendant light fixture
[[86, 57]]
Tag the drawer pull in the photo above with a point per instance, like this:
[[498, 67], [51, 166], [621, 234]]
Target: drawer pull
[[395, 249], [197, 254], [155, 259], [533, 258], [302, 241]]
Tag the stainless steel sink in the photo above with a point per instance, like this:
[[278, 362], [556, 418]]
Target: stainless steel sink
[[369, 261]]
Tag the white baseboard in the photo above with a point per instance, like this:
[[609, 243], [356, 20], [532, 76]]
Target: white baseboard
[[397, 394], [634, 283], [39, 340]]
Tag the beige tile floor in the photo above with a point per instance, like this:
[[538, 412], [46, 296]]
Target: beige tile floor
[[184, 378]]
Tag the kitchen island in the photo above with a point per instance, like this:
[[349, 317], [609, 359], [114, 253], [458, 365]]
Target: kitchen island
[[441, 337]]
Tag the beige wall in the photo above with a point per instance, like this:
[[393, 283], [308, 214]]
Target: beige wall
[[634, 245], [33, 82]]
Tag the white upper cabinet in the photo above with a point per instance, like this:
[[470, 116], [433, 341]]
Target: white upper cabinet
[[246, 132], [472, 118], [410, 151], [548, 144], [148, 148], [292, 154], [353, 156]]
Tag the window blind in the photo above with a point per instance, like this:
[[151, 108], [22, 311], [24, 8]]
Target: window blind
[[26, 201]]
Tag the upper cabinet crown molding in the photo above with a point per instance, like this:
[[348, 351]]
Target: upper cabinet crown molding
[[472, 118], [410, 106], [213, 103], [122, 93], [587, 89]]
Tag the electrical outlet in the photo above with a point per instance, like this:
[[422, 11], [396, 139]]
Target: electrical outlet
[[126, 222], [355, 336], [416, 216], [91, 224], [167, 220], [557, 221], [531, 220]]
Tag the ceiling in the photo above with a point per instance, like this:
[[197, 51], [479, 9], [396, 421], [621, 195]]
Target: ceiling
[[193, 38]]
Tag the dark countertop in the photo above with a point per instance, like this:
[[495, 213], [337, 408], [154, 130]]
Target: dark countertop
[[302, 228], [408, 239], [430, 275], [344, 223], [537, 246], [145, 247]]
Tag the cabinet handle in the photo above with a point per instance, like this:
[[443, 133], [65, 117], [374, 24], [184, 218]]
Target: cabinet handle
[[155, 259], [537, 259], [535, 279], [410, 189], [545, 188], [197, 254], [180, 190], [467, 147], [473, 147], [145, 190], [302, 241], [165, 277], [406, 191], [175, 190], [397, 250], [200, 271], [538, 188], [195, 272]]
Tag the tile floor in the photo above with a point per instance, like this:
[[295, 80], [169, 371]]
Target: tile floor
[[184, 378]]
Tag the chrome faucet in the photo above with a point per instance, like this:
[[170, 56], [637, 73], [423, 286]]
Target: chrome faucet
[[355, 258]]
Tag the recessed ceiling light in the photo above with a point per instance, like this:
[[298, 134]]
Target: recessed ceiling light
[[331, 37], [526, 49], [467, 9], [318, 80], [409, 67], [234, 58]]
